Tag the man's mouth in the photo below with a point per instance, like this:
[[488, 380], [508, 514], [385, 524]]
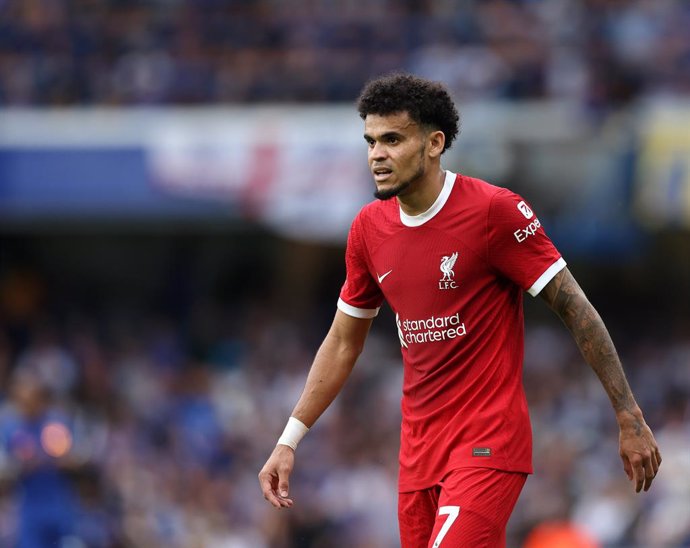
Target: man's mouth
[[381, 173]]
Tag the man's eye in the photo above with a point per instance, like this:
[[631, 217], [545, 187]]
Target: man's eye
[[392, 140]]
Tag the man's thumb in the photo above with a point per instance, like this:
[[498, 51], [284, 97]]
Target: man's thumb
[[283, 488], [283, 484]]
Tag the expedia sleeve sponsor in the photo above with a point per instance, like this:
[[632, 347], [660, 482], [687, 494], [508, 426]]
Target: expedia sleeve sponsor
[[530, 230], [518, 247]]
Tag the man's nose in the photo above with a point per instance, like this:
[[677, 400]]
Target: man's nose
[[378, 151]]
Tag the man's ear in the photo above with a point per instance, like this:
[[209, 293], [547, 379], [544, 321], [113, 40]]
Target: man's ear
[[436, 140]]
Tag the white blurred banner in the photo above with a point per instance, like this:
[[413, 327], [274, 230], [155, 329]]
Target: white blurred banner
[[302, 170]]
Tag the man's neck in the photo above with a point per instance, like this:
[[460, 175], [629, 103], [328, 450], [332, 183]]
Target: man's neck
[[424, 195]]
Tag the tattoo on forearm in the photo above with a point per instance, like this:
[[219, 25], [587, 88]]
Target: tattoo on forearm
[[567, 299]]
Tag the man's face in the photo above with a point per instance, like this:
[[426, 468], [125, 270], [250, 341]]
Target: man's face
[[397, 148]]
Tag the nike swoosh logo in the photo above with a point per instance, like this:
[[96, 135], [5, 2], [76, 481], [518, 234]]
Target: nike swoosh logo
[[382, 276]]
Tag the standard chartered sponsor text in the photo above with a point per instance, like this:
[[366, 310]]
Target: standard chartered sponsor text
[[432, 329]]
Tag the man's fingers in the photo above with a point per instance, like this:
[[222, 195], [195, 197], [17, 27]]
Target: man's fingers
[[639, 477], [283, 485], [640, 455], [627, 467], [282, 502], [267, 489], [655, 462], [648, 476], [274, 477], [634, 468], [272, 497], [644, 470], [277, 498], [638, 472], [267, 482], [651, 467], [285, 502]]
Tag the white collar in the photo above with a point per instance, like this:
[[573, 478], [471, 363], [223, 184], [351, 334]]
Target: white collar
[[441, 199]]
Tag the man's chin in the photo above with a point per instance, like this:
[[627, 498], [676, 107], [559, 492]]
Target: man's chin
[[388, 193]]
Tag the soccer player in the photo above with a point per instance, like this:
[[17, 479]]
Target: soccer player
[[452, 256]]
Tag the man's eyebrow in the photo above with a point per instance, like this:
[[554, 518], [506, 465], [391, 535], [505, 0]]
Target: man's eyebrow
[[384, 135]]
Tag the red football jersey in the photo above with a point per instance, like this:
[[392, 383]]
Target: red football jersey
[[454, 278]]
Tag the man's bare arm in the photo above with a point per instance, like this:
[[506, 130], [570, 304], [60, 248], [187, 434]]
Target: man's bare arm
[[638, 448], [331, 367]]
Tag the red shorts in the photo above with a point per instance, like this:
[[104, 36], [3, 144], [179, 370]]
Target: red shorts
[[468, 509]]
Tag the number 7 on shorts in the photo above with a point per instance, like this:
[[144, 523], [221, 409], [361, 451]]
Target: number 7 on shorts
[[452, 512]]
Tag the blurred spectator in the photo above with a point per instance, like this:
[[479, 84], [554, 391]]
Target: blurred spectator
[[600, 52], [559, 535], [149, 439], [37, 441], [149, 427]]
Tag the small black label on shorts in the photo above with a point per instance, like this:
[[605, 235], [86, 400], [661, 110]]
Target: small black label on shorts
[[481, 451]]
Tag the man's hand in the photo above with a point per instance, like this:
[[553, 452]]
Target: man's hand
[[638, 450], [274, 476], [332, 365]]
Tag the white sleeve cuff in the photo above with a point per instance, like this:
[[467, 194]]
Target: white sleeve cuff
[[546, 277], [363, 313]]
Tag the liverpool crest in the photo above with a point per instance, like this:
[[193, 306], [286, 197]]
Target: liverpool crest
[[447, 280]]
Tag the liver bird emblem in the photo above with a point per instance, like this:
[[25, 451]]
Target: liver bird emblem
[[447, 264]]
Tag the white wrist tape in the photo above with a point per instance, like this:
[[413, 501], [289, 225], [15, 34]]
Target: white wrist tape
[[293, 433]]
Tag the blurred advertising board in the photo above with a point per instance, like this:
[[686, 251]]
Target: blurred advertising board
[[662, 192], [302, 171], [299, 170]]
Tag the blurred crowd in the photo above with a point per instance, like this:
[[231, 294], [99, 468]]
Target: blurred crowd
[[123, 428], [128, 429], [131, 52]]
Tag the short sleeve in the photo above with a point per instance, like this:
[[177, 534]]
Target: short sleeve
[[360, 295], [518, 247]]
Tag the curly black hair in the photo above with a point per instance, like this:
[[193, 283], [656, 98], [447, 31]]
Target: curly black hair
[[427, 102]]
